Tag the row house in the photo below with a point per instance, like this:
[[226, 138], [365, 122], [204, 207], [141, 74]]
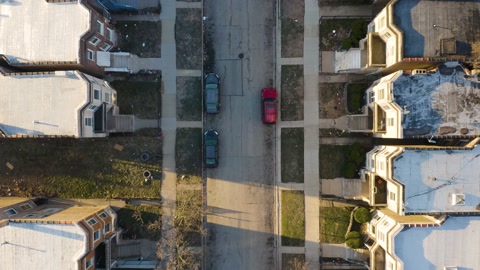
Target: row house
[[59, 103], [415, 34], [60, 35], [38, 234]]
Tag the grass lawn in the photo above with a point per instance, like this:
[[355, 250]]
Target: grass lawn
[[140, 221], [292, 146], [141, 38], [80, 168], [332, 160], [334, 224], [293, 261], [142, 99], [189, 98], [336, 34], [293, 218], [292, 93], [356, 96], [188, 155], [188, 217], [188, 37]]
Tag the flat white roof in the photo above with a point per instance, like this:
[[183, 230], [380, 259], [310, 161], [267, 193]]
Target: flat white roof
[[41, 246], [42, 104], [35, 30], [455, 243], [437, 180], [442, 99]]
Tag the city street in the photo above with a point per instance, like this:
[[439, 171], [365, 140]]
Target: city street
[[240, 192]]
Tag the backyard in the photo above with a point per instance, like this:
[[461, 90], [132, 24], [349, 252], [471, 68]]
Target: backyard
[[81, 168], [141, 38], [337, 34], [341, 160], [331, 100], [293, 218], [334, 224], [140, 222]]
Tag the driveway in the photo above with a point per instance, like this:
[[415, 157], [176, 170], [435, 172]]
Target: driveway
[[240, 194]]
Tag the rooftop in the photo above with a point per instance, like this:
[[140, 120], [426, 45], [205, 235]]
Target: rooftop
[[37, 246], [439, 180], [35, 30], [436, 247], [45, 104], [445, 101], [457, 19]]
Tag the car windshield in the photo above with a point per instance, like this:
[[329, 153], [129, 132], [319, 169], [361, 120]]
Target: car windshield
[[270, 106]]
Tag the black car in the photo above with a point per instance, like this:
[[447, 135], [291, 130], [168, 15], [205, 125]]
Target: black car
[[211, 148], [212, 93]]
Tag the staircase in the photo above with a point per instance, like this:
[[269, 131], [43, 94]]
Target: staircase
[[359, 123], [120, 62], [120, 123]]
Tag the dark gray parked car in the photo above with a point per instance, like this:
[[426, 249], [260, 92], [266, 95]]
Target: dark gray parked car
[[211, 148]]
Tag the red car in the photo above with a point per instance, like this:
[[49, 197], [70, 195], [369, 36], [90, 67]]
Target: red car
[[269, 106]]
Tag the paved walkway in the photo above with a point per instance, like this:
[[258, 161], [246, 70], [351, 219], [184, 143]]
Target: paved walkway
[[169, 113]]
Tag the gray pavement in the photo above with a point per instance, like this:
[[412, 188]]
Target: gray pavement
[[240, 191]]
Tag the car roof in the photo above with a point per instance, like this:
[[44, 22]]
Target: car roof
[[269, 93]]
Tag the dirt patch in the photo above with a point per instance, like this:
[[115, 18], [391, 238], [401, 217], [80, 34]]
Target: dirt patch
[[188, 155], [331, 101], [292, 28], [188, 38], [189, 98], [292, 147], [140, 38], [292, 93]]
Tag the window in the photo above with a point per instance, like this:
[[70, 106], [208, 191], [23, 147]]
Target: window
[[96, 235], [89, 263], [103, 215], [90, 55], [94, 41], [25, 206], [88, 122], [105, 47], [10, 212], [107, 97], [99, 27], [110, 34], [390, 266], [381, 94], [373, 229], [92, 221], [45, 215], [390, 122], [386, 107], [107, 228], [92, 107], [382, 165], [29, 216], [391, 195], [381, 236], [371, 96], [96, 94]]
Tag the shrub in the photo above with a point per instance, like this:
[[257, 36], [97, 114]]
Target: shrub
[[362, 215], [350, 170], [354, 240], [355, 153]]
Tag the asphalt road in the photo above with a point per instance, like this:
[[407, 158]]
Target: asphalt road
[[240, 193]]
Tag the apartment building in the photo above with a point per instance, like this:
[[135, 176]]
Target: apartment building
[[60, 103], [39, 35], [38, 234], [442, 105], [415, 34]]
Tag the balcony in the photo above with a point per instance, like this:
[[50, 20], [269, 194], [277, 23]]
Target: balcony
[[380, 120], [379, 191]]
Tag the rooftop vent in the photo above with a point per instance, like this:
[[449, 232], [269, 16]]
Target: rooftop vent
[[458, 199], [448, 46], [419, 72]]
